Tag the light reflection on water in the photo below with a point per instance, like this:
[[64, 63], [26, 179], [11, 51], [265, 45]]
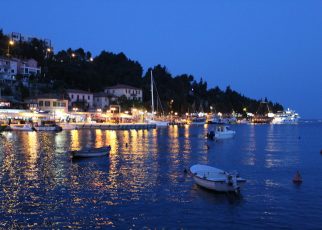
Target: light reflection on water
[[142, 183]]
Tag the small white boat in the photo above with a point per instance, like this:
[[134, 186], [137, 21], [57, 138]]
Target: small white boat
[[25, 127], [48, 126], [91, 152], [221, 132], [68, 126], [158, 123], [216, 179], [197, 120]]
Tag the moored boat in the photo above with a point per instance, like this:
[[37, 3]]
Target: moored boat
[[197, 121], [24, 127], [221, 132], [68, 126], [48, 126], [216, 179], [286, 117], [91, 152], [159, 122]]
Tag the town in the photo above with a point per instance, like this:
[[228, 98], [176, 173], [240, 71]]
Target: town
[[31, 94]]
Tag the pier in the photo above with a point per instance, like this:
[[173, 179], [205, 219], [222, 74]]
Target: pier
[[107, 126]]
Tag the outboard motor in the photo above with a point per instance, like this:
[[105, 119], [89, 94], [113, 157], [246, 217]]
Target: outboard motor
[[211, 135]]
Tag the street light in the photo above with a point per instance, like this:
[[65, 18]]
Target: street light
[[10, 43], [48, 50]]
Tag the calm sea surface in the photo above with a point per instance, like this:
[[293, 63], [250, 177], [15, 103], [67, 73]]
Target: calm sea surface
[[143, 185]]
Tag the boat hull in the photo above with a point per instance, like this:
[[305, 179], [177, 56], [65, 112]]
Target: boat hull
[[48, 128], [218, 186], [88, 153], [66, 126], [224, 135], [22, 128], [216, 179], [158, 123]]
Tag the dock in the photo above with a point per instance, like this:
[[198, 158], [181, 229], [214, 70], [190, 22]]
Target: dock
[[108, 126]]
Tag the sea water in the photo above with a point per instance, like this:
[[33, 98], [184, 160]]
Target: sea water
[[142, 183]]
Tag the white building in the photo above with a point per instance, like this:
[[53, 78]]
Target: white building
[[130, 92], [77, 97], [10, 67], [28, 67], [101, 100], [49, 102]]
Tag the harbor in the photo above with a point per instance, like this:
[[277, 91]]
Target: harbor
[[142, 181], [160, 115]]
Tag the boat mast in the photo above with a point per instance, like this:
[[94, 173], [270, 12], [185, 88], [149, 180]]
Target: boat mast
[[152, 105]]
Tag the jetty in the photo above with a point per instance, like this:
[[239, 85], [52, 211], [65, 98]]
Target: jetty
[[109, 126]]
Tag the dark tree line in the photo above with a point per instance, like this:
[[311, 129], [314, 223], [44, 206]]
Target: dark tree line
[[78, 69]]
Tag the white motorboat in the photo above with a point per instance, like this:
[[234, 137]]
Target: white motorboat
[[158, 123], [221, 132], [286, 117], [91, 152], [216, 179], [68, 126], [24, 127], [197, 120], [48, 126]]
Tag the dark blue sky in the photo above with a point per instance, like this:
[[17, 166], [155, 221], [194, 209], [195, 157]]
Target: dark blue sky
[[266, 48]]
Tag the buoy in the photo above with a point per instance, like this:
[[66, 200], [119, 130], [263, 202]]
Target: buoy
[[321, 151], [185, 170], [297, 178], [126, 145]]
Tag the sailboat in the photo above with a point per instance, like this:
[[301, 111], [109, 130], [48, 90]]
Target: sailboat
[[261, 118], [152, 120]]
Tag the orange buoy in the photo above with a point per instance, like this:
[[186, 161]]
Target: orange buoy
[[297, 178]]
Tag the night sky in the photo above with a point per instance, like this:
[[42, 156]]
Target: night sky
[[266, 48]]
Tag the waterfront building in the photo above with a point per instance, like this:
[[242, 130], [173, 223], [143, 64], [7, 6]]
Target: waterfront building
[[130, 92], [101, 100], [80, 99], [51, 103]]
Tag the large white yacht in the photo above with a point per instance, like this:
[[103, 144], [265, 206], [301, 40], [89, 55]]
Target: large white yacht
[[286, 117]]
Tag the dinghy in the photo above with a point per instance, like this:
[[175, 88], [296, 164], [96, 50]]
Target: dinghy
[[216, 179], [91, 152]]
